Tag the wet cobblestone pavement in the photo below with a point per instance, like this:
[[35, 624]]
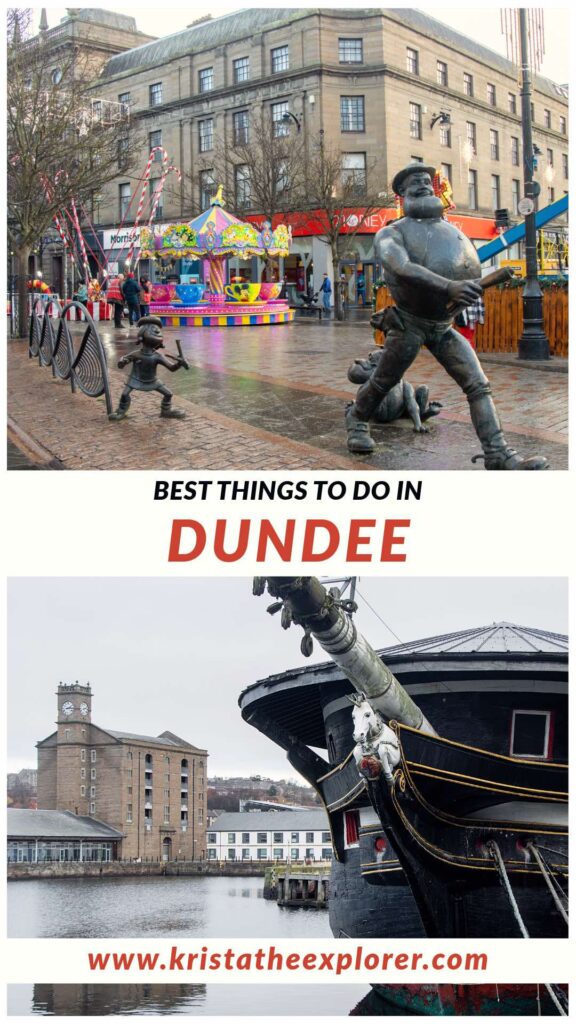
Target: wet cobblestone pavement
[[273, 398]]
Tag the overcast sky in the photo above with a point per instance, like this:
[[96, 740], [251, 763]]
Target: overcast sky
[[478, 22], [176, 653]]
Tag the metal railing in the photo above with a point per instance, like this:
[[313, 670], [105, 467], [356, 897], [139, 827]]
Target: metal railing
[[51, 342]]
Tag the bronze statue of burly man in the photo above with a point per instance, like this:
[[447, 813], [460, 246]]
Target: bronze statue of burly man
[[431, 270], [145, 362]]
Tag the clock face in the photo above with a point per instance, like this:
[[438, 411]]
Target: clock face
[[67, 707], [84, 708]]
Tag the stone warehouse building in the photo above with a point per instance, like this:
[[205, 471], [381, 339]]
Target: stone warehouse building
[[152, 789], [373, 81]]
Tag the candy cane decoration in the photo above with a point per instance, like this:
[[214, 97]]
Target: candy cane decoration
[[160, 187], [146, 179], [76, 221]]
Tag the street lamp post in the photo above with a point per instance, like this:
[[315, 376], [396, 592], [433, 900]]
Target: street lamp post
[[533, 343]]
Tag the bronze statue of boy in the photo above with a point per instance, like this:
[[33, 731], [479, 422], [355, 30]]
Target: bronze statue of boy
[[432, 270], [145, 362]]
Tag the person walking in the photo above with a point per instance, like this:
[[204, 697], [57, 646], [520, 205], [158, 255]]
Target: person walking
[[326, 290], [115, 297], [145, 296], [131, 291]]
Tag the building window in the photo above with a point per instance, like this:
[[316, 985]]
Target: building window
[[205, 79], [166, 814], [207, 186], [129, 755], [354, 173], [154, 141], [93, 807], [92, 790], [231, 854], [278, 837], [547, 118], [92, 755], [326, 838], [242, 185], [512, 102], [279, 112], [166, 793], [532, 113], [82, 790], [515, 195], [66, 734], [515, 151], [411, 60], [200, 817], [240, 122], [294, 854], [441, 72], [206, 135], [211, 837], [468, 84], [445, 135], [212, 854], [295, 837], [550, 157], [350, 51], [309, 838], [562, 125], [123, 159], [92, 773], [352, 114], [531, 734], [491, 94], [551, 195], [415, 121], [278, 853], [82, 773], [565, 164], [241, 69], [153, 186], [472, 189], [261, 837], [82, 755], [494, 145], [310, 853], [231, 837], [495, 191], [155, 94], [262, 853], [327, 853], [125, 99], [471, 136], [246, 854], [124, 196], [279, 59], [129, 790], [446, 171]]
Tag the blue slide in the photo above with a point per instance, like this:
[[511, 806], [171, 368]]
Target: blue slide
[[515, 234]]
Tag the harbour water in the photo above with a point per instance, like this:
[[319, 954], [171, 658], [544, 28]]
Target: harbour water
[[190, 1000], [201, 906]]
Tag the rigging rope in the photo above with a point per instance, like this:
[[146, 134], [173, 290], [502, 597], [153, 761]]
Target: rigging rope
[[501, 868], [389, 628], [546, 875]]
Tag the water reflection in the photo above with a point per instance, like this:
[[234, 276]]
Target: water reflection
[[205, 906], [163, 1000]]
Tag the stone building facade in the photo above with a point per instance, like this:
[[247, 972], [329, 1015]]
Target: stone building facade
[[150, 788], [371, 80]]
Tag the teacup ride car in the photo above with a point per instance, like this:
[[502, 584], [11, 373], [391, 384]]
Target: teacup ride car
[[214, 237]]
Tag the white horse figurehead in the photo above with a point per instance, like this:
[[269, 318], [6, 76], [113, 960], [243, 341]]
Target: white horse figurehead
[[372, 736]]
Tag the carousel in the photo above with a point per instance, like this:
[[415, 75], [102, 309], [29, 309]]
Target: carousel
[[214, 237]]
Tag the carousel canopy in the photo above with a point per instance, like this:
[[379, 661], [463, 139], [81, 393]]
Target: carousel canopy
[[215, 233]]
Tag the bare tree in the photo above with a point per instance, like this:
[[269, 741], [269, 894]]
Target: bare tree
[[342, 199], [62, 144], [261, 168]]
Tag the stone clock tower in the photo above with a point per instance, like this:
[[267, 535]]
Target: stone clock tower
[[74, 705]]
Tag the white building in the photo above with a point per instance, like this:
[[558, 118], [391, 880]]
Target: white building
[[270, 835]]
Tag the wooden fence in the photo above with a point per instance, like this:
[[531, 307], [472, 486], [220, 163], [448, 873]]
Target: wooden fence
[[503, 319]]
